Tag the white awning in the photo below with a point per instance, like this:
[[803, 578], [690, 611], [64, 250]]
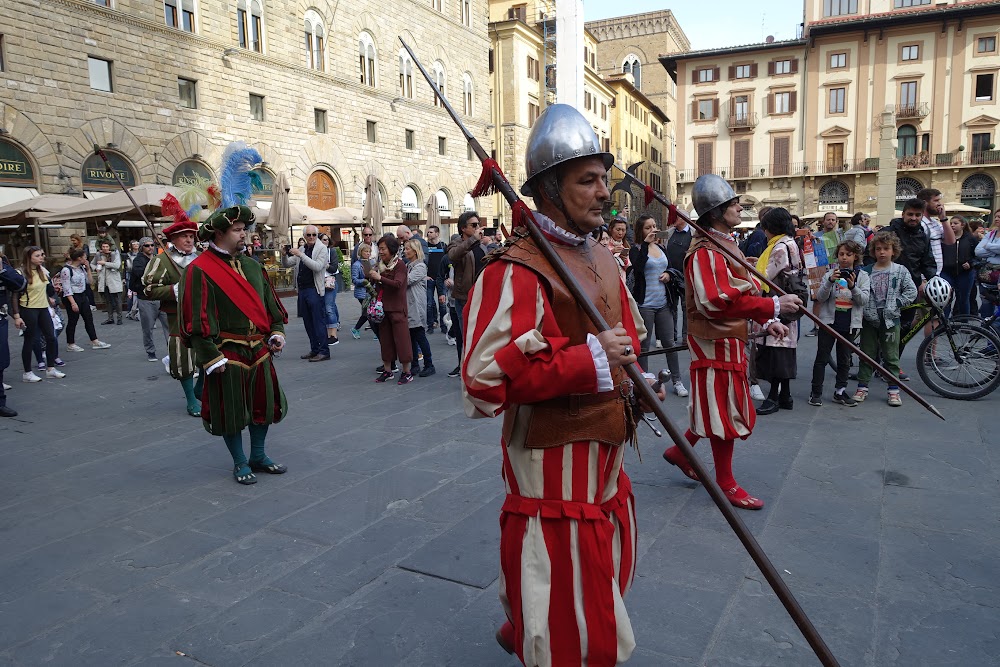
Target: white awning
[[11, 195], [97, 194]]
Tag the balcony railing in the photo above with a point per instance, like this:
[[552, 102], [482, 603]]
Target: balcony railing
[[916, 110], [744, 121], [869, 164]]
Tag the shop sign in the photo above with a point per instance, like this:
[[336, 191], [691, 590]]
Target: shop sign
[[15, 168], [96, 176]]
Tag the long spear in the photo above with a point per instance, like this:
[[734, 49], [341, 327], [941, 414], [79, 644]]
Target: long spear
[[499, 181], [651, 194]]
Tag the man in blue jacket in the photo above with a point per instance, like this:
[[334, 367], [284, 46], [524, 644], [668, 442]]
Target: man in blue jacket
[[11, 282]]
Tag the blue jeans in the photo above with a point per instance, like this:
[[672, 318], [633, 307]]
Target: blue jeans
[[460, 326], [962, 282], [435, 309], [330, 309], [313, 316]]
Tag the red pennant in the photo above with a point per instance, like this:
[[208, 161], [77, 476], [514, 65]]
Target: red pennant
[[649, 194], [671, 215], [485, 185]]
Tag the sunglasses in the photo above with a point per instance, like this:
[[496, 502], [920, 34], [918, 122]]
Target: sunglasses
[[147, 245], [475, 224], [308, 235], [368, 234]]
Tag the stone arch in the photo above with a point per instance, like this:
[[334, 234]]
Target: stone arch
[[23, 132], [103, 131], [320, 152], [183, 147], [907, 187], [365, 22], [275, 160], [834, 191], [329, 171]]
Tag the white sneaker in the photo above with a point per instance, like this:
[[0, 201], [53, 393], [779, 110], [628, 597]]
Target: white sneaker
[[6, 387], [30, 377], [680, 390], [450, 340], [166, 362], [99, 345], [755, 393], [55, 374], [74, 348]]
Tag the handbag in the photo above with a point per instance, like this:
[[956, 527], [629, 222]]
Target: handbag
[[375, 309], [793, 281]]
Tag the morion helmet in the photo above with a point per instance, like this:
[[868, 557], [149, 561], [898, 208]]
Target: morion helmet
[[709, 192], [560, 134]]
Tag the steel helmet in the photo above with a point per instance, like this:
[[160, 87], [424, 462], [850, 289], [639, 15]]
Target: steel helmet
[[709, 192], [938, 291], [560, 134]]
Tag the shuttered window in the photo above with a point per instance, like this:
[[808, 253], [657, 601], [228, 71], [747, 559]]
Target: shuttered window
[[781, 156], [704, 158], [741, 159]]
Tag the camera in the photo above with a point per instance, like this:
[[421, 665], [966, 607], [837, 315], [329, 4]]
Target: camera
[[846, 272], [288, 247]]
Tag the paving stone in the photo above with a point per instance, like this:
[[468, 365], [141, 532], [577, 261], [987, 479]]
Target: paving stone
[[454, 457], [256, 513], [379, 459], [468, 553], [242, 631], [229, 575], [149, 562], [948, 511], [936, 630], [806, 504], [696, 558], [47, 606], [331, 520], [673, 619], [169, 516], [145, 617]]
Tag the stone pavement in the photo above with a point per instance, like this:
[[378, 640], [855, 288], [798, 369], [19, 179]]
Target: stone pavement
[[125, 541]]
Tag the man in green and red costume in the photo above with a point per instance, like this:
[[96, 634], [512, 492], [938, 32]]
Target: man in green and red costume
[[161, 282], [234, 322]]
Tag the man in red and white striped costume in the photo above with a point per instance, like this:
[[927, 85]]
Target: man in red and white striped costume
[[721, 296], [567, 527]]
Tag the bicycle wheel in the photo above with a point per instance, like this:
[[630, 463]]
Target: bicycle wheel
[[960, 361]]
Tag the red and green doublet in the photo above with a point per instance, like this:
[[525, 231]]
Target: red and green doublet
[[224, 317]]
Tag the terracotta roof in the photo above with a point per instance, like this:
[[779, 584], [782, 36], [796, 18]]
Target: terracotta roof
[[902, 13]]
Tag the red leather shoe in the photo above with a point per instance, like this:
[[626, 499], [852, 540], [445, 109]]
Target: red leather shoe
[[743, 500], [505, 637], [681, 462]]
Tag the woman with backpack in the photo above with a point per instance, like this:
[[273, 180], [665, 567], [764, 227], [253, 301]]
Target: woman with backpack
[[775, 360], [75, 281]]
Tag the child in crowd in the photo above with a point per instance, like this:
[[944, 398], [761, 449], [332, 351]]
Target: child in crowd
[[842, 297], [892, 288]]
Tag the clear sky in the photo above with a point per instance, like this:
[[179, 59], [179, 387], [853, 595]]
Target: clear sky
[[711, 24]]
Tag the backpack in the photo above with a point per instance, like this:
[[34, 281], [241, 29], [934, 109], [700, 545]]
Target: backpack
[[794, 281]]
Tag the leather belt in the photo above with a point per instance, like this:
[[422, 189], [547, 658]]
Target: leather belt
[[573, 402], [251, 338]]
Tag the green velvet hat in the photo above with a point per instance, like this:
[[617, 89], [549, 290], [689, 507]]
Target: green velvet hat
[[223, 219]]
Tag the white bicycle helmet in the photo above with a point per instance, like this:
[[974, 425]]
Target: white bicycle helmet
[[938, 291]]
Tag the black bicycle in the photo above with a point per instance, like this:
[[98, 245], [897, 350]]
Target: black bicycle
[[959, 359]]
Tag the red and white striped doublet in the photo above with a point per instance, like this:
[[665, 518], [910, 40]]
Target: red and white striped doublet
[[720, 403], [567, 527]]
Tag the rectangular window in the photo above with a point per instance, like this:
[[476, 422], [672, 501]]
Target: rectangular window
[[604, 111], [2, 66], [838, 60], [442, 146], [908, 94], [984, 87], [704, 158], [741, 159], [980, 142], [179, 14], [911, 52], [743, 71], [470, 154], [534, 73], [319, 120], [409, 140], [532, 113], [705, 75], [436, 4], [706, 109], [781, 159], [911, 3], [839, 7], [986, 45], [782, 103], [371, 130], [257, 107], [782, 66], [187, 92], [741, 108], [835, 157], [100, 74], [467, 13], [837, 98], [518, 12], [491, 61]]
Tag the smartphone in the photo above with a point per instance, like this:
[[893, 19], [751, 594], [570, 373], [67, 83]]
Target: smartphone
[[663, 234], [288, 247]]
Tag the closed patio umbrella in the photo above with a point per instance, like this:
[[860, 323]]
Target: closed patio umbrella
[[433, 214], [372, 213], [278, 218]]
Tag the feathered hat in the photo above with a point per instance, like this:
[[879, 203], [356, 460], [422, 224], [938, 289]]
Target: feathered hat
[[182, 223], [223, 219]]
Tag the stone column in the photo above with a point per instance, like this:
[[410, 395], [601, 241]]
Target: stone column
[[887, 170], [569, 52]]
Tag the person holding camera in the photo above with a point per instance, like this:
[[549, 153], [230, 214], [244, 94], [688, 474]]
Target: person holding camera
[[466, 256], [842, 296], [309, 264]]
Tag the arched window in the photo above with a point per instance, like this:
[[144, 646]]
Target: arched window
[[436, 4], [409, 203], [979, 190], [468, 203], [834, 192], [633, 67], [466, 13], [467, 108], [906, 136], [250, 24], [179, 14], [315, 41], [367, 59], [405, 74], [443, 202], [907, 188], [438, 76]]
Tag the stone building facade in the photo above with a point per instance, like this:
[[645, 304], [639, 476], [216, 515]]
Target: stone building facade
[[798, 123], [634, 44], [321, 89]]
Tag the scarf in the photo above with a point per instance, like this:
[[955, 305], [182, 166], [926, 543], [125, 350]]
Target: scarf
[[765, 256], [383, 267]]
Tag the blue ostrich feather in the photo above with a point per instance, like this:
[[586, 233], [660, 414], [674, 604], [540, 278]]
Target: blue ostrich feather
[[194, 212], [235, 179]]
